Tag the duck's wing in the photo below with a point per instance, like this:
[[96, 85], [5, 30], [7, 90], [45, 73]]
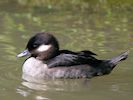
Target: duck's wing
[[69, 59], [85, 53]]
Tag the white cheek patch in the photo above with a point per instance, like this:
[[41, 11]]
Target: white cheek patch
[[43, 47]]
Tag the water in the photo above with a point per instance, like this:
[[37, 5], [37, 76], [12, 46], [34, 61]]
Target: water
[[103, 27]]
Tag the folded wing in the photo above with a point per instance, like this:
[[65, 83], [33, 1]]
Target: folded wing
[[68, 58]]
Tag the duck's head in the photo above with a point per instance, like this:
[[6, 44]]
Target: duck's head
[[42, 46]]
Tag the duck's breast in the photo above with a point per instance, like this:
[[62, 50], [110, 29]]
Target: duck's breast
[[34, 68]]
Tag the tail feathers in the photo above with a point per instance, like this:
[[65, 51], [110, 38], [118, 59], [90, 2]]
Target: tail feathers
[[108, 65], [117, 59]]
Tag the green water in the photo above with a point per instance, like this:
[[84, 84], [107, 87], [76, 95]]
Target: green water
[[103, 26]]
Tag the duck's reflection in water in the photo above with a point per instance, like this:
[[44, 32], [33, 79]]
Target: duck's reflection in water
[[55, 84]]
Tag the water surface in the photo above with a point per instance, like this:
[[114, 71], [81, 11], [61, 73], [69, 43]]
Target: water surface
[[101, 26]]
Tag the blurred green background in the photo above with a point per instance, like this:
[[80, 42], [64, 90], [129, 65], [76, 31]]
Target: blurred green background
[[103, 26]]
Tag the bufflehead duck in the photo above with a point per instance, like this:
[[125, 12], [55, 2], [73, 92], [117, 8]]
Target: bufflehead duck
[[47, 61]]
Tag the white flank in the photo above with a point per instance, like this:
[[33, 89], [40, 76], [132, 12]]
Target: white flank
[[43, 48]]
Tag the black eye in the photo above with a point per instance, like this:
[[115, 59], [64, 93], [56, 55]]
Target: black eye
[[35, 45]]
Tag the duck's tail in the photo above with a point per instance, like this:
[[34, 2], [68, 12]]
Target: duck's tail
[[107, 66], [114, 61]]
